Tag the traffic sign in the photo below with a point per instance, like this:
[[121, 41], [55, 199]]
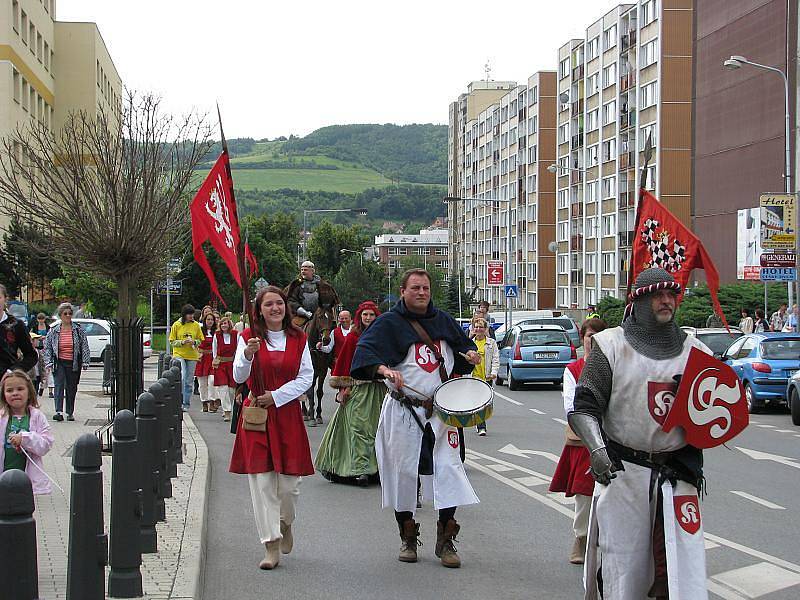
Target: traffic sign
[[260, 283], [495, 273], [175, 288], [778, 259], [174, 265], [511, 291], [778, 274]]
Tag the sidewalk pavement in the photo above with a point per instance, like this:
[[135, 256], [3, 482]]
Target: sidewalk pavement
[[173, 573]]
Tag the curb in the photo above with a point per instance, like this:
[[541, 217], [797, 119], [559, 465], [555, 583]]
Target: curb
[[190, 572]]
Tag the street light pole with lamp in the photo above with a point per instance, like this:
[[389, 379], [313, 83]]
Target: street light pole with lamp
[[736, 62], [360, 254], [509, 309], [362, 212]]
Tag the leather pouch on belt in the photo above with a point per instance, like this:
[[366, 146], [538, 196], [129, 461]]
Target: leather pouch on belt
[[254, 418]]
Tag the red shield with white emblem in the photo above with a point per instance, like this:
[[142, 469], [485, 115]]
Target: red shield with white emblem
[[710, 404], [452, 437], [425, 358], [660, 396], [687, 513]]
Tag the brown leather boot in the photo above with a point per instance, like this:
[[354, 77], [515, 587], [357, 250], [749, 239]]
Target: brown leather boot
[[213, 406], [409, 536], [272, 556], [578, 552], [205, 406], [287, 541], [445, 548]]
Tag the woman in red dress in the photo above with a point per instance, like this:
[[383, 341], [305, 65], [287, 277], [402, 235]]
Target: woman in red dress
[[223, 351], [572, 472], [204, 371], [272, 357]]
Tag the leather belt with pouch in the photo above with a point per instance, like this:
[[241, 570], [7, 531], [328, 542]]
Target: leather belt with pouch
[[254, 418], [409, 401], [224, 359]]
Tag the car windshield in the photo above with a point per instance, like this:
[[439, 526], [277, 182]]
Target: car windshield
[[543, 338], [18, 310], [565, 324], [718, 342], [783, 349]]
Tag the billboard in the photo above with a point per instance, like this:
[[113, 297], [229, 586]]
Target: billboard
[[777, 221], [748, 242]]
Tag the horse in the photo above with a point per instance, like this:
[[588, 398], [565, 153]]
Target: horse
[[318, 329]]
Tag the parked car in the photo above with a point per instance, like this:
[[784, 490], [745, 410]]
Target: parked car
[[19, 310], [793, 397], [98, 333], [531, 353], [518, 316], [565, 322], [764, 363], [718, 339]]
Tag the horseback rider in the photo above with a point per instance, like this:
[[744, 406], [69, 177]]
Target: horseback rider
[[308, 292]]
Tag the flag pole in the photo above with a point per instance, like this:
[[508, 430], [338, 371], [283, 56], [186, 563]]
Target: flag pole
[[244, 276], [648, 154]]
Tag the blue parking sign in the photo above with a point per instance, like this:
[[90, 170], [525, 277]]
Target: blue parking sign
[[511, 291]]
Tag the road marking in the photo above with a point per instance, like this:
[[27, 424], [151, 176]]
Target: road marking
[[709, 544], [785, 430], [514, 451], [779, 562], [757, 580], [722, 591], [499, 468], [507, 398], [758, 500], [477, 455], [530, 481], [758, 455], [766, 426], [541, 412], [562, 421]]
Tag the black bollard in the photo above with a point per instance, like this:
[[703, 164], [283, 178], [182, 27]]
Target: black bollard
[[172, 402], [164, 439], [176, 368], [88, 544], [125, 557], [19, 572], [149, 459]]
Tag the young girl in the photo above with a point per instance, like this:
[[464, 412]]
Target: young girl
[[205, 368], [225, 342], [24, 427]]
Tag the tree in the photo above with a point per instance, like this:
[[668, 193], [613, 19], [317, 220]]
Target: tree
[[8, 274], [438, 276], [25, 247], [100, 293], [326, 243], [359, 280]]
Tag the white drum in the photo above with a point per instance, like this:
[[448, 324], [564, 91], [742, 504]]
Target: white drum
[[464, 401]]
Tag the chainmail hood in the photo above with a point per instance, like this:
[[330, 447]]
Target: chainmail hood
[[642, 330]]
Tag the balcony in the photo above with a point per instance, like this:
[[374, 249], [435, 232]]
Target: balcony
[[576, 243], [627, 120], [627, 200], [623, 279], [577, 107], [626, 161], [576, 275], [577, 140], [577, 73], [576, 209], [625, 239], [575, 177], [627, 81], [496, 130]]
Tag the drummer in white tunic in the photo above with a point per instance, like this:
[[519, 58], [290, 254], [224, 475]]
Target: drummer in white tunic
[[410, 441]]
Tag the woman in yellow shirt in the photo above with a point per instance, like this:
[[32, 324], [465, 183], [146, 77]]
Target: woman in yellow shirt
[[184, 338], [490, 357]]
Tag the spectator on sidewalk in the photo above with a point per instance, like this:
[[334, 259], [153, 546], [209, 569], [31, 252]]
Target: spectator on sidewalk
[[760, 325], [746, 323], [66, 353], [204, 371], [185, 336], [14, 339], [791, 322], [778, 319], [38, 329], [26, 432]]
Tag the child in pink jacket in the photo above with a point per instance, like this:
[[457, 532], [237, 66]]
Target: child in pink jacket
[[25, 430]]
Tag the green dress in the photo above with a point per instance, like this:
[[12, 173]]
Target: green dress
[[348, 446]]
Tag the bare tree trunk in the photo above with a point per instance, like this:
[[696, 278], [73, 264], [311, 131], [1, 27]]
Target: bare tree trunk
[[128, 365]]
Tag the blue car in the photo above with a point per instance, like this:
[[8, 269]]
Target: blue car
[[764, 363], [534, 353]]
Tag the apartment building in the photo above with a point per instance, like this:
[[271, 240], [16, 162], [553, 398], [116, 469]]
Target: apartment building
[[500, 146], [630, 77], [430, 244], [50, 68]]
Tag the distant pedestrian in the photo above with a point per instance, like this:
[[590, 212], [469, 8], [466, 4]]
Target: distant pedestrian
[[713, 320], [26, 432], [81, 312], [490, 357], [204, 370], [185, 336], [66, 353], [778, 319], [761, 325], [791, 322], [746, 322], [592, 312], [14, 340], [223, 351], [38, 331]]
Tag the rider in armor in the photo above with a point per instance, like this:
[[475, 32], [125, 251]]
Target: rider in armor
[[309, 291]]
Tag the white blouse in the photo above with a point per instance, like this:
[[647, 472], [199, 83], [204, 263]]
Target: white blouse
[[289, 390]]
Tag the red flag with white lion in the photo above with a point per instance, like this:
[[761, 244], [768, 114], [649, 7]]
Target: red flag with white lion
[[214, 220]]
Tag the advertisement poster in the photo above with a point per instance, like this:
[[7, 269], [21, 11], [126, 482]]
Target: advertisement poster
[[778, 221], [748, 244]]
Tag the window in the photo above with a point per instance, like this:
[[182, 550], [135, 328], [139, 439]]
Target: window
[[533, 124], [608, 263], [646, 131], [531, 183], [24, 94], [592, 118], [16, 84], [402, 251], [563, 231], [609, 225], [609, 149], [563, 263], [609, 75], [47, 56], [593, 84], [563, 296], [563, 133], [32, 38], [39, 46], [532, 154], [649, 95], [649, 11], [563, 68], [609, 187], [533, 95], [649, 54], [592, 189], [591, 156], [610, 37], [15, 15], [610, 112], [24, 27], [592, 48], [563, 199], [591, 263]]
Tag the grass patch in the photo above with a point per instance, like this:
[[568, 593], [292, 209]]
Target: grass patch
[[346, 180]]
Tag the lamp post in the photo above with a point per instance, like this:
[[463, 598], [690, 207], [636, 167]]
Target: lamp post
[[736, 62], [360, 255], [362, 212], [509, 309]]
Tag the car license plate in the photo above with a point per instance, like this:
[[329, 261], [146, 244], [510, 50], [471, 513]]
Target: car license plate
[[546, 355]]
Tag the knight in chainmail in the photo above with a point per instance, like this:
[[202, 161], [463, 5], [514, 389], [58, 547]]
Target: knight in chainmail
[[309, 291], [645, 512]]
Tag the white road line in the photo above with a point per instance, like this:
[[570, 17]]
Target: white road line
[[499, 468], [766, 426], [758, 500], [723, 591], [507, 398], [785, 430], [754, 581], [754, 553], [472, 454], [562, 421], [530, 481], [541, 412]]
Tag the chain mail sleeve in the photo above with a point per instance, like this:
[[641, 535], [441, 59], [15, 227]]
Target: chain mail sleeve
[[594, 385]]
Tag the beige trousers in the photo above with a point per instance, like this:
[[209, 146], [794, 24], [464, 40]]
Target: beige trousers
[[206, 387], [580, 524], [274, 499], [225, 394]]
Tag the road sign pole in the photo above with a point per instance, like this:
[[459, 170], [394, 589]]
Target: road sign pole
[[169, 285]]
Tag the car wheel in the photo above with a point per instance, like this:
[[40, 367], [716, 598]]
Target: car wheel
[[752, 407], [513, 384], [558, 384], [103, 357], [794, 406]]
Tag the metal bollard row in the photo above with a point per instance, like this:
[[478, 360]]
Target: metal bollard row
[[19, 571]]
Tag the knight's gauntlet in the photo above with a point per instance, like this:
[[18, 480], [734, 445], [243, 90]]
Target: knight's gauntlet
[[590, 432]]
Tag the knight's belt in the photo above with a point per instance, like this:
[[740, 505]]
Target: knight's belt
[[414, 402], [223, 359], [685, 464]]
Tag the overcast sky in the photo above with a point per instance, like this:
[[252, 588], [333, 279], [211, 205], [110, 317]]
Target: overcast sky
[[283, 67]]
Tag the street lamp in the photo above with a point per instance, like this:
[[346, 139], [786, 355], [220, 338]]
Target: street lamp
[[360, 254], [509, 310], [554, 168], [361, 212], [736, 62]]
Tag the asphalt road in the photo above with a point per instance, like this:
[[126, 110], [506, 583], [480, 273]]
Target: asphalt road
[[515, 543]]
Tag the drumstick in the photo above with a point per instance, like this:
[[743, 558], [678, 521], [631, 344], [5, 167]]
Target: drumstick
[[405, 385]]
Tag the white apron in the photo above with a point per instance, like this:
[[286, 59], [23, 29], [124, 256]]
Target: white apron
[[399, 440]]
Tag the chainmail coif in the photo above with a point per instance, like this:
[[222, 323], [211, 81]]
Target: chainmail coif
[[642, 330]]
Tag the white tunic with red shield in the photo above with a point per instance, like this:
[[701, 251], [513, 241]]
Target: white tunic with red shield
[[623, 511], [399, 440]]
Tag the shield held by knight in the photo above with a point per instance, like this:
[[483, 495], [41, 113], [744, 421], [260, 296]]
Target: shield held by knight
[[710, 404]]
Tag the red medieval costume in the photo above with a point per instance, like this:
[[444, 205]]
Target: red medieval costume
[[204, 367], [223, 374]]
